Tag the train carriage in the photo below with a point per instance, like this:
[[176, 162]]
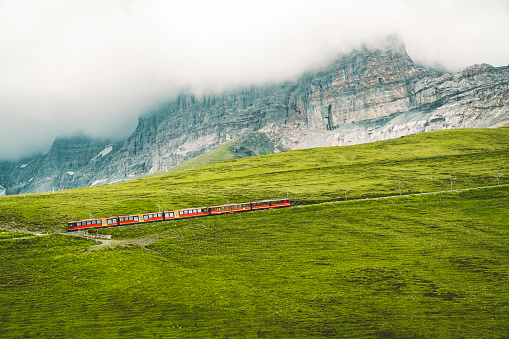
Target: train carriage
[[92, 223], [268, 204], [186, 213], [130, 219], [152, 217], [230, 208]]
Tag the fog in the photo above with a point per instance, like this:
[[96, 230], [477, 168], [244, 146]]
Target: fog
[[94, 66]]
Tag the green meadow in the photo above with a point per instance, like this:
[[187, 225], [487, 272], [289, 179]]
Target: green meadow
[[433, 266], [417, 266]]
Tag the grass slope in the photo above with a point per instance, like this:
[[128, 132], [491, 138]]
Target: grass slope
[[422, 163], [251, 145], [429, 266], [221, 153]]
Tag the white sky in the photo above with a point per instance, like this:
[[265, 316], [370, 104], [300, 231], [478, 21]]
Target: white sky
[[69, 66]]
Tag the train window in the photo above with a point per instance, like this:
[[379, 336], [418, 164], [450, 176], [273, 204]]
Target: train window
[[160, 215], [79, 224], [135, 218], [109, 222], [171, 214], [195, 211], [89, 223], [145, 217]]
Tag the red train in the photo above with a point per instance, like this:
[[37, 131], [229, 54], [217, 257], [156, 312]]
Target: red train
[[178, 214]]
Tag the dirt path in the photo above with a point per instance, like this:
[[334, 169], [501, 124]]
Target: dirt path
[[105, 243]]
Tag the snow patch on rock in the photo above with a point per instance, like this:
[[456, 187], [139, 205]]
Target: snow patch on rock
[[104, 152]]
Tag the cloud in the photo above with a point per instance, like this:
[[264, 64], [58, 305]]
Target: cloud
[[95, 66]]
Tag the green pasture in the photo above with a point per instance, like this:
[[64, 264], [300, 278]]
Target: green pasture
[[9, 234], [426, 266], [425, 162]]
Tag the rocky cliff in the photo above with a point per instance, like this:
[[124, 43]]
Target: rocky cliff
[[365, 96]]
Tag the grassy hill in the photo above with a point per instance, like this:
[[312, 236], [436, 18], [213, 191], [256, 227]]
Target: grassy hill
[[421, 163], [433, 266], [417, 266]]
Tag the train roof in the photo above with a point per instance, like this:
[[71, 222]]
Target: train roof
[[272, 200], [86, 220]]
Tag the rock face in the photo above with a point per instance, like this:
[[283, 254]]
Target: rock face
[[70, 163], [365, 96]]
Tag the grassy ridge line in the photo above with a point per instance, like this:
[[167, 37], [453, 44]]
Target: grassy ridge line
[[378, 163], [430, 266], [368, 170], [221, 153], [420, 146]]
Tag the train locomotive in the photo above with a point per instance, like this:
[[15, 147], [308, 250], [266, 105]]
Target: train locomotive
[[176, 215]]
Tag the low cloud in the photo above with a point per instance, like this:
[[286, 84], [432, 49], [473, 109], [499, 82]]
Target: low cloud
[[95, 66]]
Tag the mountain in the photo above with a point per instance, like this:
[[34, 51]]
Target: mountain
[[365, 96]]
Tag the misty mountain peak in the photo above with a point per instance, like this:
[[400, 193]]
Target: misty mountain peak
[[372, 94]]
